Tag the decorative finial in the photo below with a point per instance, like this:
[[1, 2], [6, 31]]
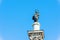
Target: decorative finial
[[36, 16]]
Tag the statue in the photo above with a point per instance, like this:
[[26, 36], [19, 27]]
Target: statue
[[36, 16]]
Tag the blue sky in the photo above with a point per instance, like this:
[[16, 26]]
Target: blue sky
[[16, 18]]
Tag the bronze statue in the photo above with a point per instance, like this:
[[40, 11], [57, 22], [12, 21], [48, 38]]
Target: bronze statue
[[36, 16]]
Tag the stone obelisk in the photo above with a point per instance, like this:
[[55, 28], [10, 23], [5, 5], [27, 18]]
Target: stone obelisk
[[36, 33]]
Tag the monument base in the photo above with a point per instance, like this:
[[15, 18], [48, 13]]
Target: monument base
[[36, 35]]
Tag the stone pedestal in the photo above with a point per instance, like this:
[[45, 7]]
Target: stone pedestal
[[36, 35], [36, 26]]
